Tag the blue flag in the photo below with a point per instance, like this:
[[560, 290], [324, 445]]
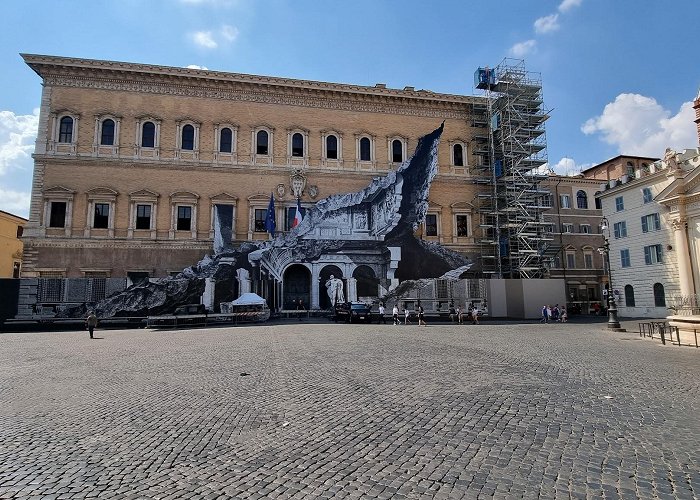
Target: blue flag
[[270, 216]]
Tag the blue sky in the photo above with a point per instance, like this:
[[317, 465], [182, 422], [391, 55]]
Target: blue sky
[[619, 75]]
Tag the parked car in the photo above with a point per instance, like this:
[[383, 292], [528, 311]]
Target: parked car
[[353, 313], [190, 309]]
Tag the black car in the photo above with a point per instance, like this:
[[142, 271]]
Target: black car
[[353, 313]]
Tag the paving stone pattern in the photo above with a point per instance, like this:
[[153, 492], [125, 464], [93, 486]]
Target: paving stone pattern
[[349, 411]]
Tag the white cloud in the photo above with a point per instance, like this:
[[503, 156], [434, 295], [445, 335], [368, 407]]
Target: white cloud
[[638, 125], [523, 48], [547, 24], [230, 33], [194, 66], [15, 202], [17, 137], [204, 39], [565, 166], [567, 5]]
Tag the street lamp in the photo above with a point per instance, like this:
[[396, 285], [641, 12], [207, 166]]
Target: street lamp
[[613, 322]]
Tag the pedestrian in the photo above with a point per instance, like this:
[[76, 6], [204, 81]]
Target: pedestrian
[[459, 314], [395, 315], [549, 313], [382, 318], [543, 319], [555, 313], [91, 322], [421, 316], [406, 316], [564, 315], [300, 308], [475, 316], [596, 309], [453, 313]]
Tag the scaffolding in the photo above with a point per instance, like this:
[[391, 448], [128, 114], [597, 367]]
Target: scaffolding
[[509, 153]]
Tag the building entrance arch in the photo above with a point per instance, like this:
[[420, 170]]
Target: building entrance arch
[[296, 284], [367, 282], [324, 301]]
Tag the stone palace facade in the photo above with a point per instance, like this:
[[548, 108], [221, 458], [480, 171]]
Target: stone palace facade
[[131, 159]]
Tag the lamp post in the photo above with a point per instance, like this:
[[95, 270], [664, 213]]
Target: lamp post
[[613, 321]]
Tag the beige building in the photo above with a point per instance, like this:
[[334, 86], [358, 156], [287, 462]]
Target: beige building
[[131, 159], [573, 221], [11, 227]]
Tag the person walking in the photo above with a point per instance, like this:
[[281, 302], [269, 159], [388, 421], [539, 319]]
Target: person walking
[[564, 314], [91, 322], [406, 316], [395, 315], [453, 313], [300, 309], [460, 314], [475, 316], [543, 319], [382, 318], [421, 316]]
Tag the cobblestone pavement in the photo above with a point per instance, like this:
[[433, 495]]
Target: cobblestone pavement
[[348, 411]]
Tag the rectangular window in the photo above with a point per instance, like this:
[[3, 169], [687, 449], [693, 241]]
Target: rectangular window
[[564, 201], [619, 204], [101, 220], [462, 226], [567, 228], [143, 216], [651, 222], [646, 193], [625, 258], [653, 254], [260, 215], [584, 228], [137, 277], [557, 262], [184, 218], [571, 261], [588, 260], [431, 225], [620, 229], [547, 200], [57, 217]]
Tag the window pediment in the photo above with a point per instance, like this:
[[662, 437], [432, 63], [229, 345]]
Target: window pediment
[[144, 194], [257, 198], [184, 196], [224, 197], [462, 206], [59, 190]]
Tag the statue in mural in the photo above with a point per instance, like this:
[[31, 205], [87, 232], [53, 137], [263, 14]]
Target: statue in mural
[[334, 286]]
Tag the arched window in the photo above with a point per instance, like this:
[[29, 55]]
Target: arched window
[[332, 147], [598, 203], [458, 154], [629, 295], [65, 133], [630, 169], [297, 145], [261, 143], [396, 151], [581, 199], [225, 140], [188, 137], [107, 136], [659, 295], [365, 151], [148, 135], [367, 283]]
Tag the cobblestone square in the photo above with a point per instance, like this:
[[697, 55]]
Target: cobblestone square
[[318, 410]]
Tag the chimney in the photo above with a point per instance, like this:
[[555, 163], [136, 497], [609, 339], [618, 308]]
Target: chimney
[[696, 107]]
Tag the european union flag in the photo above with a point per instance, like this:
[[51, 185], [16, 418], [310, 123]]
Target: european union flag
[[270, 216]]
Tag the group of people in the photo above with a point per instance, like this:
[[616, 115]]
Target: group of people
[[456, 315], [551, 314]]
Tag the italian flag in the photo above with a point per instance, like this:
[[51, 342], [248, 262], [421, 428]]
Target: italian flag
[[297, 216]]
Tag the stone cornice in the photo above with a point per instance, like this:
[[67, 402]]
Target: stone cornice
[[132, 77], [111, 243], [205, 166]]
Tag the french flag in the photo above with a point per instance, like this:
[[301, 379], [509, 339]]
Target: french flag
[[297, 216]]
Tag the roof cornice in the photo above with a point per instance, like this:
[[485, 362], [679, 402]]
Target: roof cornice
[[47, 66]]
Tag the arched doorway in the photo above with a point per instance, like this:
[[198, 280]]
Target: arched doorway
[[324, 302], [297, 285], [367, 283]]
